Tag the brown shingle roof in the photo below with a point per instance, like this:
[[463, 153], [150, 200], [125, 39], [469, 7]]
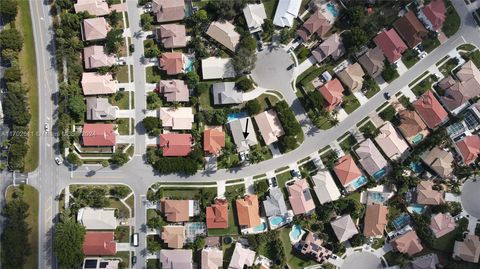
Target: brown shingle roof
[[375, 220], [468, 249], [315, 24], [411, 29], [408, 243], [169, 10], [172, 35], [373, 62], [426, 195]]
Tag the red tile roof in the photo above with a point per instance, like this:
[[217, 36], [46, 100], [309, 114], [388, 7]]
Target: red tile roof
[[391, 44], [435, 12], [174, 144], [213, 141], [217, 215], [99, 244], [247, 211], [346, 170], [172, 62], [430, 110], [332, 91], [100, 134], [469, 148]]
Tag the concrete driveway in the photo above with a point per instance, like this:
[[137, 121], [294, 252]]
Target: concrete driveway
[[271, 69], [470, 198]]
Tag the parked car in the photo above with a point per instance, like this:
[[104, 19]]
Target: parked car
[[58, 160], [134, 260], [296, 173], [386, 96], [272, 182], [290, 67]]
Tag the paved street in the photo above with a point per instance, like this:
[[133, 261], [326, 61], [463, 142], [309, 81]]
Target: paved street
[[470, 198], [49, 179], [271, 68], [362, 260]]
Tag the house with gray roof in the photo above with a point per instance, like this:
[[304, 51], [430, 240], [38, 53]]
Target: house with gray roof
[[100, 109], [237, 127], [344, 228], [224, 93], [275, 205]]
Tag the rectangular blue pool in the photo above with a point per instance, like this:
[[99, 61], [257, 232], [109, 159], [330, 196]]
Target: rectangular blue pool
[[236, 116]]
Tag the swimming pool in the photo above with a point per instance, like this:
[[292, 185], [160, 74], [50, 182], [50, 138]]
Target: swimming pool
[[189, 65], [379, 174], [376, 197], [417, 139], [401, 221], [296, 233], [416, 208], [260, 228], [416, 167], [236, 116], [359, 182], [332, 9], [277, 220]]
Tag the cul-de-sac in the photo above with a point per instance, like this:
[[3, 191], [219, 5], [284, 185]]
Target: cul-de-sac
[[237, 134]]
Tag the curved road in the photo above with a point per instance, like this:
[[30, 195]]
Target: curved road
[[50, 179]]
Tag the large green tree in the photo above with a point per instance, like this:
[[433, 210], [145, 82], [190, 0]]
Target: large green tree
[[68, 243], [11, 39], [8, 10]]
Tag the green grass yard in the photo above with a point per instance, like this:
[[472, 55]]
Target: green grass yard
[[348, 143], [122, 125], [292, 258], [350, 103], [153, 74], [122, 74], [410, 58], [423, 86], [121, 99]]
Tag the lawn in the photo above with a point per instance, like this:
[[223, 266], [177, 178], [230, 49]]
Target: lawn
[[348, 143], [270, 7], [447, 67], [452, 20], [205, 99], [29, 78], [350, 103], [232, 227], [187, 193], [122, 74], [131, 200], [121, 99], [293, 260], [388, 113], [282, 179], [372, 91], [367, 126], [122, 234], [424, 85], [475, 57], [153, 74], [122, 209], [122, 125], [410, 58], [467, 47], [429, 44], [30, 196], [124, 256], [302, 53], [325, 124], [267, 101]]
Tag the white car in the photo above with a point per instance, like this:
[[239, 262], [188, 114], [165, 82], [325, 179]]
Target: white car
[[45, 127], [58, 161]]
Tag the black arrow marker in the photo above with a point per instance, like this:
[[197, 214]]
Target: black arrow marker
[[245, 134]]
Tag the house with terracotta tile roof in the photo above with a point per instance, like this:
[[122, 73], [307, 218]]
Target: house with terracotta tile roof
[[177, 119], [237, 127], [300, 197], [97, 218], [344, 228], [98, 135], [429, 261], [324, 186], [173, 236], [315, 24], [225, 93], [433, 15], [407, 243], [347, 170], [431, 111], [172, 63], [375, 220], [174, 90], [217, 215], [468, 148], [213, 139], [269, 125], [224, 33], [100, 109], [412, 127], [332, 92], [312, 247], [440, 161], [352, 77], [211, 258], [426, 195], [286, 12], [95, 29], [98, 243], [254, 16], [391, 45], [217, 68], [391, 142], [171, 35], [96, 56], [176, 258], [248, 211], [93, 7], [371, 159], [442, 224], [373, 61], [467, 250], [95, 84], [274, 204], [169, 10], [459, 92], [241, 257], [177, 210], [175, 145], [332, 46], [410, 29]]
